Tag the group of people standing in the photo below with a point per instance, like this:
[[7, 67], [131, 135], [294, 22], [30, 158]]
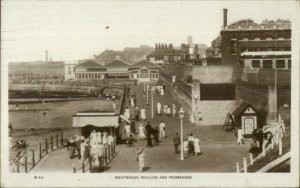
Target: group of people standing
[[191, 144], [167, 110], [92, 147]]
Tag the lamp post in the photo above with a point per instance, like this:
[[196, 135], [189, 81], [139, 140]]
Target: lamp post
[[147, 90], [181, 113], [152, 92]]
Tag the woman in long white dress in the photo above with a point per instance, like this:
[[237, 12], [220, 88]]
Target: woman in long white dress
[[162, 92], [104, 138], [197, 145], [142, 131], [99, 137], [158, 106], [140, 158], [127, 113], [132, 102], [143, 114], [93, 139], [185, 146]]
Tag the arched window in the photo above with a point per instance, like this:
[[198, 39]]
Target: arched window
[[257, 38], [269, 38]]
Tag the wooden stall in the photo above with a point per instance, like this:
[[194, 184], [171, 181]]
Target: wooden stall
[[246, 118]]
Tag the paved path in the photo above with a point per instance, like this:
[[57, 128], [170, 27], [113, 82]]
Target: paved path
[[57, 161], [220, 153]]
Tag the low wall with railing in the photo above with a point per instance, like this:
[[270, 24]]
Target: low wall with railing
[[32, 157]]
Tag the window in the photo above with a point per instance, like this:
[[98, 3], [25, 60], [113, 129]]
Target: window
[[280, 63], [267, 64], [256, 63], [289, 63], [233, 46]]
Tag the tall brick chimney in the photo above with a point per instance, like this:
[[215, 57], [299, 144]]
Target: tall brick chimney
[[225, 17]]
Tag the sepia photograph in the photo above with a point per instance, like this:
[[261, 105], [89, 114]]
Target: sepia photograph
[[149, 93]]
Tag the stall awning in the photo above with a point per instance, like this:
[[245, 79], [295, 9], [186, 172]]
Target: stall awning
[[95, 120]]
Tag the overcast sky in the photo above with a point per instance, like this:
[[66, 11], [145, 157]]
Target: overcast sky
[[72, 30]]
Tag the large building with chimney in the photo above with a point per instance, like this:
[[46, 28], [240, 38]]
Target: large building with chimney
[[254, 62], [246, 43]]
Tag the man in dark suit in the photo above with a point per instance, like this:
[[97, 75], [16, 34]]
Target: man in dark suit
[[176, 141], [149, 132]]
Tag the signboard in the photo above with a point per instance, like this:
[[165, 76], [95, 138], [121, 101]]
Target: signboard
[[248, 125]]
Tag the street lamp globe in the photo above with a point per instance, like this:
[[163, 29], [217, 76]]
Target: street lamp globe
[[181, 113]]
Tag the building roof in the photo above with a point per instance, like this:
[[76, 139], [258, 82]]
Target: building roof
[[144, 63], [89, 64], [246, 24], [117, 63], [159, 53], [241, 109]]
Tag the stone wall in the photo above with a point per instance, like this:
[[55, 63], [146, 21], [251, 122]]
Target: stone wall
[[177, 94], [213, 74]]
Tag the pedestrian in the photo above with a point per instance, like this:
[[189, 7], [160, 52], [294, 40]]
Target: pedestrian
[[162, 128], [162, 91], [260, 138], [93, 139], [127, 130], [149, 132], [99, 137], [110, 140], [165, 109], [132, 102], [155, 135], [104, 138], [143, 114], [197, 145], [136, 113], [94, 153], [186, 146], [142, 132], [71, 147], [83, 144], [77, 146], [100, 155], [132, 126], [158, 106], [127, 113], [140, 158], [191, 144], [174, 110], [169, 111], [240, 137], [176, 141]]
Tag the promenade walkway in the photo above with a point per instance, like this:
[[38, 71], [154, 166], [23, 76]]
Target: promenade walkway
[[220, 152]]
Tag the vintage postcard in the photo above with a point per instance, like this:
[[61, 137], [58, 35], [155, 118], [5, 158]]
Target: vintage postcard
[[149, 93]]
